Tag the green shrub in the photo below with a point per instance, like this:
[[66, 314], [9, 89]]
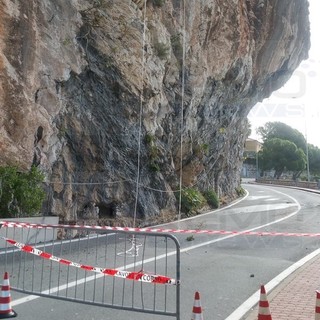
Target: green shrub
[[205, 148], [176, 45], [212, 199], [153, 152], [191, 201], [201, 149], [161, 50], [154, 167], [21, 193], [240, 191], [62, 132], [149, 138], [158, 3], [67, 41]]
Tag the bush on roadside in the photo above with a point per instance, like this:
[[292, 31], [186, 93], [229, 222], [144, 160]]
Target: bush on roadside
[[212, 199], [240, 191], [21, 193], [191, 201]]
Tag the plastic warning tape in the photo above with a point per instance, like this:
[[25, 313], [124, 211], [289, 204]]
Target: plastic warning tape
[[137, 276], [10, 224]]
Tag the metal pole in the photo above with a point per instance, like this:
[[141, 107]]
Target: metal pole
[[257, 166], [307, 150], [308, 169]]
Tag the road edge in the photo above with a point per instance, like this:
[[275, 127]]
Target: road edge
[[244, 309]]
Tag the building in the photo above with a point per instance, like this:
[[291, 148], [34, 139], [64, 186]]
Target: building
[[250, 167]]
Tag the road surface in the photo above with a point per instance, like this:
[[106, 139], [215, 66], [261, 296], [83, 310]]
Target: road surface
[[225, 269]]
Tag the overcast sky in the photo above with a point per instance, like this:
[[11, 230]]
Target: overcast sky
[[297, 103]]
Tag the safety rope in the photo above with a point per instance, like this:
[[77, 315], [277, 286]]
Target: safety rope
[[13, 224], [182, 101], [140, 111], [130, 275]]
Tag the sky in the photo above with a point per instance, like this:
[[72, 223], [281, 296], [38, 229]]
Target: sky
[[297, 103]]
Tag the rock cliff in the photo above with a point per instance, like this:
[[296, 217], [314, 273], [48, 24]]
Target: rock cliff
[[112, 98]]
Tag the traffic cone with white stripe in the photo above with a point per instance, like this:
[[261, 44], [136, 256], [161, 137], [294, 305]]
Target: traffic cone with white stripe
[[197, 310], [317, 311], [5, 299], [264, 311]]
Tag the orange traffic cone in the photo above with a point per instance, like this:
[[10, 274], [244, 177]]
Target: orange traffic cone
[[197, 310], [317, 311], [264, 311], [5, 299]]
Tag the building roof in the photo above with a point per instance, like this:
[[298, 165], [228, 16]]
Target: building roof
[[252, 145]]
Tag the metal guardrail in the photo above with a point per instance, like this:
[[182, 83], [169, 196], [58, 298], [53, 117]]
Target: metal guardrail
[[133, 271], [290, 183]]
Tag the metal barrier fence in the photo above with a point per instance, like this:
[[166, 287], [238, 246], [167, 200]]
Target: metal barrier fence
[[134, 271]]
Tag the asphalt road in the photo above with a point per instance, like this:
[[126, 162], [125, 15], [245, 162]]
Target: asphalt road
[[225, 269]]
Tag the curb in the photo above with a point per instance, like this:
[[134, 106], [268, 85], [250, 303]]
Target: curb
[[279, 284]]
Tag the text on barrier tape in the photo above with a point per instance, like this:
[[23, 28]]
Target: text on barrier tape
[[137, 276], [10, 224]]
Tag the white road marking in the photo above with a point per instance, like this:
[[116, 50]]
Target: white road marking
[[258, 197], [263, 207]]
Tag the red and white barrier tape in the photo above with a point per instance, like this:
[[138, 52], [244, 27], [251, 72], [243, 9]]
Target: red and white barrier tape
[[10, 224], [137, 276]]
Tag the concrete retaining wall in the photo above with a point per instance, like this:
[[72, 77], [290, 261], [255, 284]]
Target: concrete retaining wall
[[300, 184]]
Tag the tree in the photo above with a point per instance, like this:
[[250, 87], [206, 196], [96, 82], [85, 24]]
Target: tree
[[281, 154], [314, 159], [21, 193], [282, 131]]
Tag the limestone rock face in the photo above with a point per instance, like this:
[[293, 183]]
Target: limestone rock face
[[121, 101]]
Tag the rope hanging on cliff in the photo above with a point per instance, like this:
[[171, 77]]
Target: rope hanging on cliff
[[140, 112], [182, 99]]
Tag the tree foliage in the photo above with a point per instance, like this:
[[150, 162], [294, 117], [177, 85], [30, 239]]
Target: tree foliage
[[314, 159], [280, 155], [21, 193], [282, 131], [279, 130]]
